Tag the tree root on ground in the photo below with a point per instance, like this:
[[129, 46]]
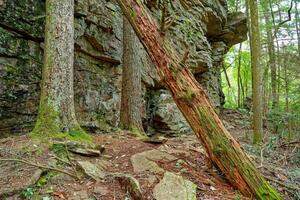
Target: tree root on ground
[[39, 166]]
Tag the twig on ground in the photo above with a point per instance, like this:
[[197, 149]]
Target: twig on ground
[[289, 143], [282, 184], [40, 166], [60, 159], [70, 160]]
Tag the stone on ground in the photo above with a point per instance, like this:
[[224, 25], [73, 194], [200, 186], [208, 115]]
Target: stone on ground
[[130, 185], [174, 187], [101, 190], [145, 161], [92, 170], [80, 195]]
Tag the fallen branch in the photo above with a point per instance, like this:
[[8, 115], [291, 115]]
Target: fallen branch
[[39, 166], [282, 184], [289, 143]]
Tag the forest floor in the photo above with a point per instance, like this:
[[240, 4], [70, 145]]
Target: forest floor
[[128, 168]]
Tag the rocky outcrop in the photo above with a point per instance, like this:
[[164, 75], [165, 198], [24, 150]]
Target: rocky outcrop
[[203, 28]]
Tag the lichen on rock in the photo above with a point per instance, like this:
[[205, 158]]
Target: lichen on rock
[[205, 29]]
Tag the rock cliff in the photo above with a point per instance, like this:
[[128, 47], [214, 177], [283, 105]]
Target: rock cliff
[[202, 27]]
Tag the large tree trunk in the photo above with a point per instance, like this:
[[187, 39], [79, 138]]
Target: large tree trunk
[[131, 98], [193, 102], [56, 111], [256, 73]]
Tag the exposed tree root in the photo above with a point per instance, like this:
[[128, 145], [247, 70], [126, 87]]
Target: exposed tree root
[[39, 166]]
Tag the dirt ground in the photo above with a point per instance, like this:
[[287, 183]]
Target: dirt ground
[[23, 180]]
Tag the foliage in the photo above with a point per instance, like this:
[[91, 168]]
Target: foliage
[[284, 118], [27, 193]]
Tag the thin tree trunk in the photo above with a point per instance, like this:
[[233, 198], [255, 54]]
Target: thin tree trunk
[[250, 37], [56, 111], [193, 102], [271, 50], [287, 109], [237, 5], [226, 75], [297, 25], [131, 97], [239, 76], [265, 90]]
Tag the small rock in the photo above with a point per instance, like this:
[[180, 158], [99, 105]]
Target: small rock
[[171, 150], [129, 184], [145, 161], [80, 195], [142, 164], [151, 179], [212, 188], [60, 178], [91, 170], [101, 190], [174, 187]]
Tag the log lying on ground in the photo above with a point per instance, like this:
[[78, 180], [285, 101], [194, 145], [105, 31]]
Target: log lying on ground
[[193, 102]]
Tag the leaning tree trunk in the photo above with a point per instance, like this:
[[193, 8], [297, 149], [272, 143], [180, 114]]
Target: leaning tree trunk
[[193, 102], [56, 111], [131, 98]]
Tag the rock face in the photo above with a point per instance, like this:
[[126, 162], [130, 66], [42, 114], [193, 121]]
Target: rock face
[[203, 28]]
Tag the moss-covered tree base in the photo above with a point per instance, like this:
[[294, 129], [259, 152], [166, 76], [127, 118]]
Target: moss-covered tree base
[[137, 133]]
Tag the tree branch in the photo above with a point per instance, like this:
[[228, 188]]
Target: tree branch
[[285, 21]]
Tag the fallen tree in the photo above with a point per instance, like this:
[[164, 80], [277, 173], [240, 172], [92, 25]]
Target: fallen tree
[[193, 102]]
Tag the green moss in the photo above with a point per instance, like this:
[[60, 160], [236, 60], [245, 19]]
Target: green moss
[[47, 122], [79, 135], [137, 133], [222, 147], [43, 180], [104, 126], [59, 150], [47, 127], [188, 96]]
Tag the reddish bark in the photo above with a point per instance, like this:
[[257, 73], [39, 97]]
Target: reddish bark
[[191, 99]]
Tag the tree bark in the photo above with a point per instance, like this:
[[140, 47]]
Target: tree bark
[[241, 94], [272, 59], [131, 97], [286, 86], [256, 73], [56, 110], [193, 102], [297, 21]]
